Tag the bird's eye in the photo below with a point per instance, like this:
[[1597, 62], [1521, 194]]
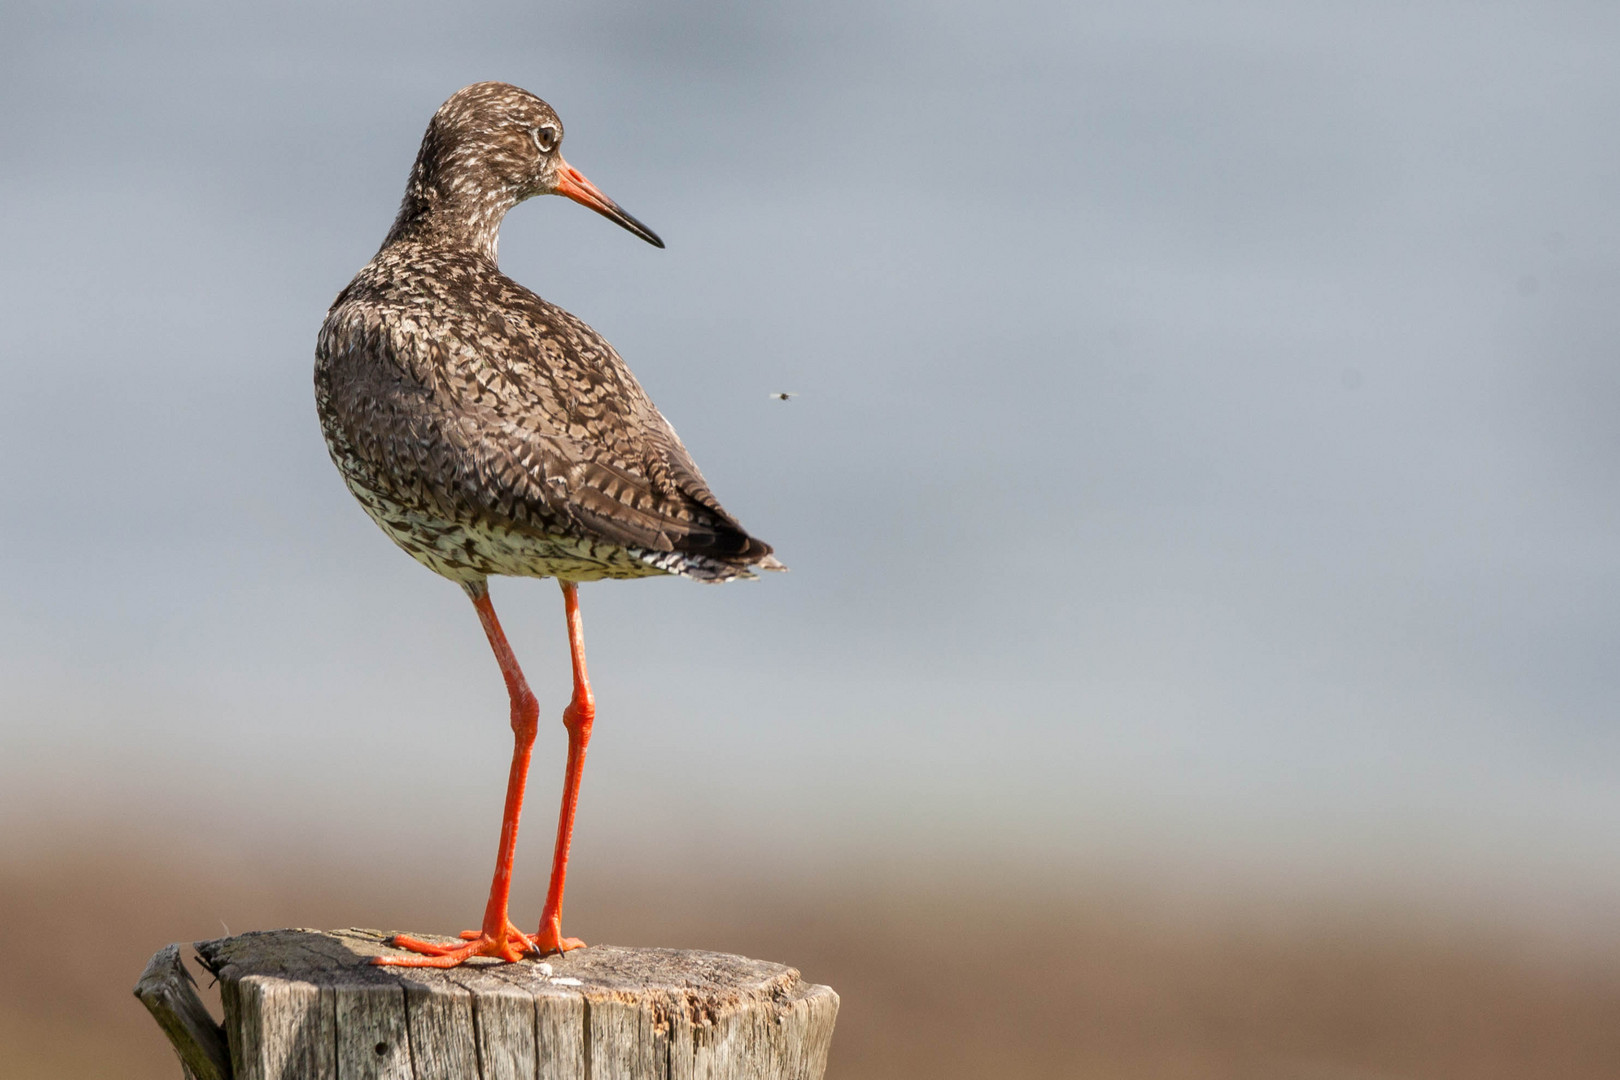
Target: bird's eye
[[545, 138]]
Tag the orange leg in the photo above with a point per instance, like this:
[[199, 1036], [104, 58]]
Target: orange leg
[[499, 938], [577, 718]]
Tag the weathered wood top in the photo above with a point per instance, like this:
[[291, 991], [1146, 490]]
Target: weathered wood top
[[307, 1003], [342, 958]]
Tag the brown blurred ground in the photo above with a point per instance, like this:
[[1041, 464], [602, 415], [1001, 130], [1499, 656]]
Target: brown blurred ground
[[941, 975]]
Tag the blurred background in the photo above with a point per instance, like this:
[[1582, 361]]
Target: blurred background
[[1202, 494]]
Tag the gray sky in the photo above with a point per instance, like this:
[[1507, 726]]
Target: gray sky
[[1206, 446]]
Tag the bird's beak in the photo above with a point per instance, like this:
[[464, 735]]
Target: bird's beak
[[572, 183]]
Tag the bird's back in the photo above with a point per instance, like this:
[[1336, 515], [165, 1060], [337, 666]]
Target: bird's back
[[490, 432]]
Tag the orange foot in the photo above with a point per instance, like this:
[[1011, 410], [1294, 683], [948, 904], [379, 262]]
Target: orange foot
[[564, 944], [509, 946], [550, 940]]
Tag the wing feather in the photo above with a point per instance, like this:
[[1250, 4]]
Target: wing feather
[[508, 458]]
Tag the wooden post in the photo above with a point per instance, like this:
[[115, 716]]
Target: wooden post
[[306, 1005]]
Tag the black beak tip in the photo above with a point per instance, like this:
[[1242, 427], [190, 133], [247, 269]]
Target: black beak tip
[[620, 217], [634, 225], [640, 230]]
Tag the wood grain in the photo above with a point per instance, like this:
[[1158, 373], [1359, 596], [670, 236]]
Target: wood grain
[[307, 1005]]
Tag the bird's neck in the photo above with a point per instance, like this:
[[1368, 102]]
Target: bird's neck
[[459, 218]]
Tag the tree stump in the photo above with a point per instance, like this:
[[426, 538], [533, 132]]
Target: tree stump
[[306, 1005]]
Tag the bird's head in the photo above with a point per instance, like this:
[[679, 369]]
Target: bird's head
[[492, 145]]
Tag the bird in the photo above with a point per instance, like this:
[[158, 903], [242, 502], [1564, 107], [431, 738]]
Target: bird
[[489, 432], [783, 395]]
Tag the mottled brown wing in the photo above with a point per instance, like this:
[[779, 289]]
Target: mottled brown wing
[[502, 458]]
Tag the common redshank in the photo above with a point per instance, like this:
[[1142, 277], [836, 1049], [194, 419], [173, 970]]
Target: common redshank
[[490, 432]]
